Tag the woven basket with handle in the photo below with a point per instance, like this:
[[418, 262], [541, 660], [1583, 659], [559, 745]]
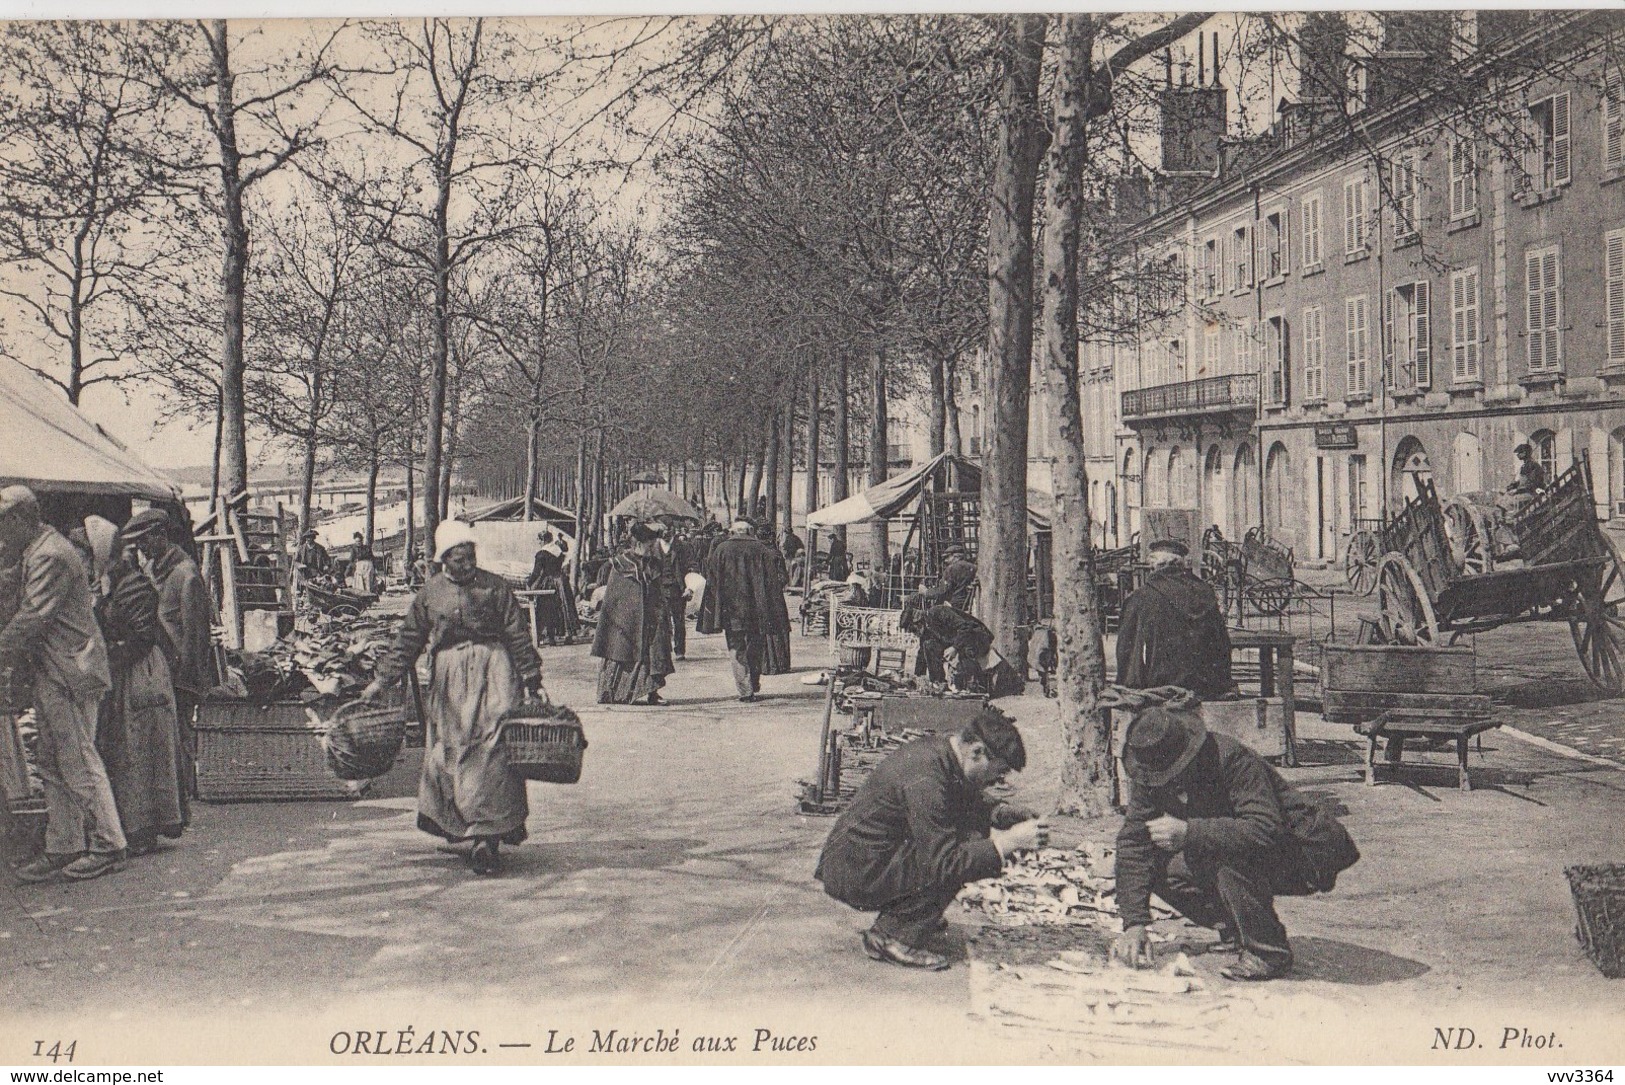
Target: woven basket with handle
[[544, 741], [362, 740]]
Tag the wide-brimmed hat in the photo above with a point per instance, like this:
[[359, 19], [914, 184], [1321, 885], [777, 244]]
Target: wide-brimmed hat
[[1161, 742]]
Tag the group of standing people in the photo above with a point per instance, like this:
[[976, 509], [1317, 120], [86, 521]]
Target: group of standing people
[[113, 627], [647, 587]]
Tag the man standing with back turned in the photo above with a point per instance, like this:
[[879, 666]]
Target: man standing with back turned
[[55, 629]]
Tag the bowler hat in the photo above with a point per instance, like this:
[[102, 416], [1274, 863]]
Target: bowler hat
[[1161, 743], [146, 522]]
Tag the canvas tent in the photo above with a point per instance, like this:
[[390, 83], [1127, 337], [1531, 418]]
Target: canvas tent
[[50, 447], [506, 539]]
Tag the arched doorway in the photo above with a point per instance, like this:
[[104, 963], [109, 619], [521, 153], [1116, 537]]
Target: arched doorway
[[1243, 507], [1179, 479], [1468, 467], [1279, 522], [1111, 516], [1156, 479], [1133, 492], [1215, 499], [1409, 453]]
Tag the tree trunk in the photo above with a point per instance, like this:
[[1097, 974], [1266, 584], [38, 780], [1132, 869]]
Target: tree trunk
[[439, 355], [372, 497], [951, 442], [787, 462], [533, 440], [307, 480], [841, 483], [770, 471], [598, 507], [448, 456], [411, 507], [233, 272], [753, 485], [878, 437], [937, 417], [1088, 778], [813, 426], [580, 510], [740, 508], [1002, 561]]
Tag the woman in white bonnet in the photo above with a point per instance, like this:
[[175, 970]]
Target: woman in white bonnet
[[481, 660]]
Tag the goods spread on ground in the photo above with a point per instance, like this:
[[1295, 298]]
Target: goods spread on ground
[[1042, 959], [324, 658]]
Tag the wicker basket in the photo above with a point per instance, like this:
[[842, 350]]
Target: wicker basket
[[544, 741], [1599, 900], [363, 741], [248, 752]]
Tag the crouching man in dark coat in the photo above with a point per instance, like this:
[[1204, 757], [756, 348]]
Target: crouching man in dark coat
[[920, 829], [1216, 833]]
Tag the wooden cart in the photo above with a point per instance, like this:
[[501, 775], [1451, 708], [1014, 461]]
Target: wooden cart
[[1252, 578], [1439, 576]]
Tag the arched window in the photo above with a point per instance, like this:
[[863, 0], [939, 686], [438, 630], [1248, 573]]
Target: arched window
[[1410, 460], [1544, 442], [1215, 502], [1469, 463], [1243, 506], [1176, 479], [1278, 501], [1156, 479]]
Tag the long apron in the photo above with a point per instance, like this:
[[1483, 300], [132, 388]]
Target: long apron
[[138, 737], [466, 790]]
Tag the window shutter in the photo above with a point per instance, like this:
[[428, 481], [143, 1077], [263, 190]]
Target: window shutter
[[1470, 291], [1350, 218], [1534, 313], [1560, 139], [1613, 117], [1363, 342], [1616, 295], [1385, 315], [1458, 326], [1424, 328], [1552, 286]]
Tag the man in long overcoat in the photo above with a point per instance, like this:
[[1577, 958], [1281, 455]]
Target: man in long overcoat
[[920, 829], [1215, 832], [1171, 632], [744, 598], [186, 618]]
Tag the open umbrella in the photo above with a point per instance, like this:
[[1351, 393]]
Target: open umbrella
[[648, 504]]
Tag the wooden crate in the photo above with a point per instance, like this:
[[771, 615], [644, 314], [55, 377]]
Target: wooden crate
[[263, 753], [1388, 668], [945, 715], [1259, 723]]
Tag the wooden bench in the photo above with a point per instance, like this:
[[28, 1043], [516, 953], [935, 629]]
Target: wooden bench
[[1375, 688]]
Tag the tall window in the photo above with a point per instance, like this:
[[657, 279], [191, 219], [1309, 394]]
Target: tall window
[[1614, 259], [1354, 213], [1210, 350], [1463, 177], [1275, 358], [1314, 354], [1312, 248], [1543, 285], [1405, 201], [1407, 336], [1210, 267], [1241, 339], [1544, 443], [1548, 164], [1613, 116], [1464, 357], [1357, 345], [1275, 253], [1241, 259]]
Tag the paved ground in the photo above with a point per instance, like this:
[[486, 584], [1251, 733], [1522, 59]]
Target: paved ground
[[671, 889]]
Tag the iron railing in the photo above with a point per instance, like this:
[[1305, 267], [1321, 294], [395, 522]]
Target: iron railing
[[1238, 391]]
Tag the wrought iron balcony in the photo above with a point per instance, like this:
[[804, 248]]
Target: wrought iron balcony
[[1210, 395]]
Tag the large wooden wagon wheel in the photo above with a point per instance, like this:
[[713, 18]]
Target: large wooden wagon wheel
[[1270, 597], [1597, 625], [1406, 611], [1467, 527], [1360, 561]]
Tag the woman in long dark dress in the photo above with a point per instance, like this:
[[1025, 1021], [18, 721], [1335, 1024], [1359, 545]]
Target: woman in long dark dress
[[137, 734], [633, 640], [481, 661]]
